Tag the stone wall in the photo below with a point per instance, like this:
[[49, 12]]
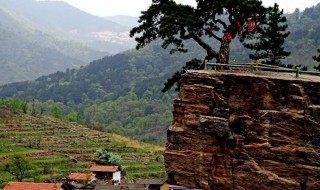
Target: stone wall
[[244, 131]]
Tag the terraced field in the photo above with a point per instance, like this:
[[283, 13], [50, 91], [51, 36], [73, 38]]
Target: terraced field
[[58, 148]]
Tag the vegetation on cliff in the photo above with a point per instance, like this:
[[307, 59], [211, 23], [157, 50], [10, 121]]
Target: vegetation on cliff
[[208, 23]]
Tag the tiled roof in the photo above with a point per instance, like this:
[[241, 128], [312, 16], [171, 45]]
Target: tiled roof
[[97, 168], [32, 186], [80, 176]]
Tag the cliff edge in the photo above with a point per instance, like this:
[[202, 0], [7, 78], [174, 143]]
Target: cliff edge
[[243, 131]]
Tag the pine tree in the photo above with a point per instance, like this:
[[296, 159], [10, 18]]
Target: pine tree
[[269, 39], [210, 22], [317, 58]]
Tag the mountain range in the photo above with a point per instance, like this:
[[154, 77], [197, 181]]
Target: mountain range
[[69, 23], [27, 53], [42, 37]]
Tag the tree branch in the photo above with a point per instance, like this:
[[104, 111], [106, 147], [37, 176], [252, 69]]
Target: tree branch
[[221, 22], [215, 36], [210, 51]]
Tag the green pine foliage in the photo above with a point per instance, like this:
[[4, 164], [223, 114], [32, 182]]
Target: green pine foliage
[[209, 22], [269, 40]]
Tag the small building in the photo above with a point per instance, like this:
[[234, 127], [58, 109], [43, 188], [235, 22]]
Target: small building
[[80, 179], [32, 186], [111, 174]]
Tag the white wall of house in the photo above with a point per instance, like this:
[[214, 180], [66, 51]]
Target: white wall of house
[[117, 176]]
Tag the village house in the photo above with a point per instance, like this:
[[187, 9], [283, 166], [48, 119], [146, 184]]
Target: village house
[[79, 180], [32, 186], [111, 174]]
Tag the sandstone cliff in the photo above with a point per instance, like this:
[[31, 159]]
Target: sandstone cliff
[[245, 131]]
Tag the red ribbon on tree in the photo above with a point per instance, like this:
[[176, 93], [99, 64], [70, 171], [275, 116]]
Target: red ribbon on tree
[[251, 24], [209, 30], [228, 36]]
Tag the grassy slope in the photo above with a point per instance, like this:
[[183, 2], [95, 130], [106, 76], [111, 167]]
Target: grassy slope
[[62, 141]]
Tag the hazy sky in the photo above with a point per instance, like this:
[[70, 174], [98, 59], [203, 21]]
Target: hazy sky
[[134, 7]]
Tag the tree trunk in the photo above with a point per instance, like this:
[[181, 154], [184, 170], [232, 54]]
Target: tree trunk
[[224, 51]]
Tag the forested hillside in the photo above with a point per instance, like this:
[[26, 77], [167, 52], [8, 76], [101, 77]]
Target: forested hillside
[[304, 39], [121, 93], [27, 53]]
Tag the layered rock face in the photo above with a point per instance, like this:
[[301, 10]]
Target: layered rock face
[[242, 131]]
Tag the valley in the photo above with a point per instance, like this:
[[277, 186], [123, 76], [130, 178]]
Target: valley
[[81, 86]]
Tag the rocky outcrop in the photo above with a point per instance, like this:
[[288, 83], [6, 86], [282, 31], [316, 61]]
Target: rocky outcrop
[[243, 131]]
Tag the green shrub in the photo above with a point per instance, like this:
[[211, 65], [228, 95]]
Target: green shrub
[[72, 116], [14, 104], [102, 156], [56, 112]]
